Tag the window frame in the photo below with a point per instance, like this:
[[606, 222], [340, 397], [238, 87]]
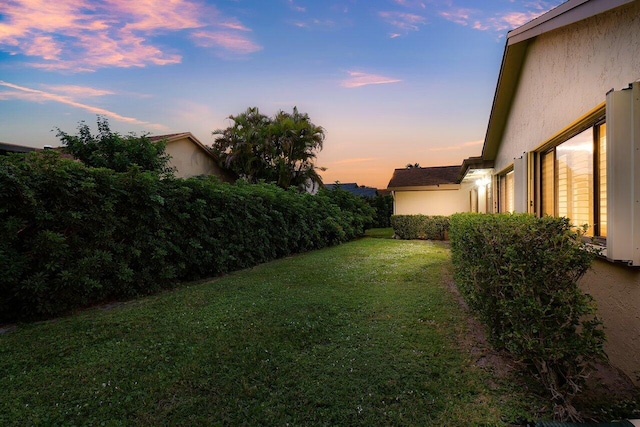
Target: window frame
[[503, 194], [549, 149]]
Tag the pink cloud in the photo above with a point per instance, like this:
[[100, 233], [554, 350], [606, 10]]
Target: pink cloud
[[403, 21], [233, 25], [152, 15], [34, 95], [295, 7], [413, 4], [459, 16], [500, 22], [85, 35], [225, 40], [78, 91], [357, 79]]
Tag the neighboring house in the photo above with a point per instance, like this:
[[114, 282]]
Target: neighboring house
[[353, 188], [12, 148], [435, 190], [563, 139], [190, 157]]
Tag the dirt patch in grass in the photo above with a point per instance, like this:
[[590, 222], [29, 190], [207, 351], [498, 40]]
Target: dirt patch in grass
[[609, 393]]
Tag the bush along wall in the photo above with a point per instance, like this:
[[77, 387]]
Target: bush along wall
[[519, 273], [72, 235], [425, 227]]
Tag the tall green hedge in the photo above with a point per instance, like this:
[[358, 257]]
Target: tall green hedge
[[427, 227], [383, 205], [520, 273], [72, 235]]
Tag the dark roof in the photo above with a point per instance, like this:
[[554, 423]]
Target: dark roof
[[353, 188], [12, 148], [423, 177]]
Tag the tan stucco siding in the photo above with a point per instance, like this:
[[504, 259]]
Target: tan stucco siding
[[616, 290], [567, 72], [442, 202], [190, 160]]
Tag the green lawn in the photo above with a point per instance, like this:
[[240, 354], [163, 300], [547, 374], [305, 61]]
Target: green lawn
[[366, 333]]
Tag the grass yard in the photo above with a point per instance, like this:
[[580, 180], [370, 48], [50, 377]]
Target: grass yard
[[366, 333]]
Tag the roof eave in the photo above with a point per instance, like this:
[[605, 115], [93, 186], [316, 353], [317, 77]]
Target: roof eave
[[435, 187], [507, 81], [565, 14], [514, 54]]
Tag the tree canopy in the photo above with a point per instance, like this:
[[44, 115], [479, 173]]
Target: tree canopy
[[281, 149], [111, 150]]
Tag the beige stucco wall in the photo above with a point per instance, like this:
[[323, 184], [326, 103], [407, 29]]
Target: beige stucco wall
[[616, 289], [441, 202], [568, 72], [190, 160]]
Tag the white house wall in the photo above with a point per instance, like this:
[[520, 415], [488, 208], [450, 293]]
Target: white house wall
[[442, 202], [568, 72]]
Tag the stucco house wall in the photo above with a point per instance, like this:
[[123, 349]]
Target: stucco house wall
[[189, 159], [434, 202], [616, 290], [568, 72]]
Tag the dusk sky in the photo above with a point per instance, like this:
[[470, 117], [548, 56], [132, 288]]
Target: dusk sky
[[391, 81]]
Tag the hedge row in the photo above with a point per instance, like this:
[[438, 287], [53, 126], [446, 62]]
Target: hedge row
[[71, 235], [520, 273], [420, 226]]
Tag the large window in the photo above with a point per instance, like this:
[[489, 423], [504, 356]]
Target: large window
[[506, 192], [573, 180]]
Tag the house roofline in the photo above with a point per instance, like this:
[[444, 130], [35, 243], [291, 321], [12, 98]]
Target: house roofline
[[565, 14], [14, 148], [436, 187], [178, 136], [514, 54]]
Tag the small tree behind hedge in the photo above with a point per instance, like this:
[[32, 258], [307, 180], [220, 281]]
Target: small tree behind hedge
[[108, 149], [520, 273]]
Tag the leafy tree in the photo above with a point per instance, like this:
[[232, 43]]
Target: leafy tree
[[111, 150], [281, 149]]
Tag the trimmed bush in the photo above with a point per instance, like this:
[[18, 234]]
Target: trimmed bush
[[72, 235], [520, 273], [424, 227]]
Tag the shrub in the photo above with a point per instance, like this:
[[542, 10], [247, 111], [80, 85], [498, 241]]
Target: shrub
[[359, 213], [111, 150], [520, 273], [73, 235], [383, 205], [420, 226]]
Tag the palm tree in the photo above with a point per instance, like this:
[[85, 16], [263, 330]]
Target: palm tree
[[244, 146], [295, 140], [280, 150]]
